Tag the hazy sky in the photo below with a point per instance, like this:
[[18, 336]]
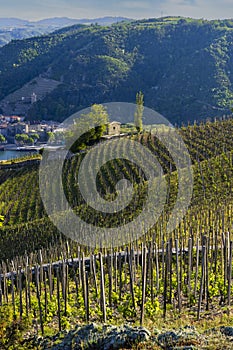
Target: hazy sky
[[37, 9]]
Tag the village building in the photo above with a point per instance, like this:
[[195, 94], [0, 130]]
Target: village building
[[18, 128], [114, 128]]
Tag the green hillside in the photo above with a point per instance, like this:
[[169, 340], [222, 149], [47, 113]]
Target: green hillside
[[50, 283], [183, 66], [210, 147], [153, 273]]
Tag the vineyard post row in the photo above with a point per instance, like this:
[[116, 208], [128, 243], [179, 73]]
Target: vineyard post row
[[172, 275]]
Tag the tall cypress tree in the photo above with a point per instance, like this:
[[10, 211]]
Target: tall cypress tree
[[139, 111]]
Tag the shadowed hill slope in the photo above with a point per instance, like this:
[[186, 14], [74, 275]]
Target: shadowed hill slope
[[183, 66]]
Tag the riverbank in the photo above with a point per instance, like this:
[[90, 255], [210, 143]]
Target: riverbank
[[20, 162], [13, 147], [10, 153]]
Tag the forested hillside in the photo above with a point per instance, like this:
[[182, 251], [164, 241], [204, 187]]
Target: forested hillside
[[184, 67]]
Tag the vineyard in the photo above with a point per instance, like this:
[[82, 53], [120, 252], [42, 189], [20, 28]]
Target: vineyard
[[49, 282]]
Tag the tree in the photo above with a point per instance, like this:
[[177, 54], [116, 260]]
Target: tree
[[21, 138], [139, 111], [29, 141], [50, 137], [35, 137], [97, 116], [2, 138]]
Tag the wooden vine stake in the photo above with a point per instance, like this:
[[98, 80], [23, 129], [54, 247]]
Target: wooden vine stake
[[143, 285], [202, 281], [229, 275], [102, 288]]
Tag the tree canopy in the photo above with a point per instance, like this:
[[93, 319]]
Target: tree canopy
[[97, 116], [139, 111], [2, 138], [24, 139]]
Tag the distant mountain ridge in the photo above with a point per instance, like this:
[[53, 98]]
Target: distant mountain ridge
[[183, 66], [58, 21], [108, 20], [15, 28]]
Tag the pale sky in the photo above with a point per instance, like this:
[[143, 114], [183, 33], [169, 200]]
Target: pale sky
[[38, 9]]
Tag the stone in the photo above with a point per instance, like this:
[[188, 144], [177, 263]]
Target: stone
[[228, 331], [183, 338], [94, 336]]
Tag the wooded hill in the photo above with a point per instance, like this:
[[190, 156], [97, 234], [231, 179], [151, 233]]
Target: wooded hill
[[183, 66]]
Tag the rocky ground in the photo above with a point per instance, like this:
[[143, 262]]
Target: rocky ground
[[107, 337]]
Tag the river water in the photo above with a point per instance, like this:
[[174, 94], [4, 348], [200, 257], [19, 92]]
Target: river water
[[5, 155]]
